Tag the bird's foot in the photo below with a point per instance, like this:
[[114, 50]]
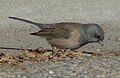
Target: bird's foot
[[60, 52]]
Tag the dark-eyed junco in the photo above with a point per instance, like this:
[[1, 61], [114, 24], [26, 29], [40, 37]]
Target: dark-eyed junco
[[68, 35]]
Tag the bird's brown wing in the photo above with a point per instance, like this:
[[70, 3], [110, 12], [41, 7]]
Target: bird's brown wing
[[60, 30], [56, 32]]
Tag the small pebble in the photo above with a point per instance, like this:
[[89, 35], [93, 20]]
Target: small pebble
[[117, 40], [51, 72], [18, 75], [98, 50]]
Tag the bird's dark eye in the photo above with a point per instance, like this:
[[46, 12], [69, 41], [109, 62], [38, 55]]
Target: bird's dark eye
[[97, 36]]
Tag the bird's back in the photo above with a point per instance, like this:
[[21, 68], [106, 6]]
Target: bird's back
[[58, 30]]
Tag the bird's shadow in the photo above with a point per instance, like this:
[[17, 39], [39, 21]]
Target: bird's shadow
[[10, 48], [38, 50]]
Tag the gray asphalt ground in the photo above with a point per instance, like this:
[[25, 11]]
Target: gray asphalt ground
[[16, 33]]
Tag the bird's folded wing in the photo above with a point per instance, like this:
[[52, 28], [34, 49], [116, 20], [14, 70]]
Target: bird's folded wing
[[54, 32]]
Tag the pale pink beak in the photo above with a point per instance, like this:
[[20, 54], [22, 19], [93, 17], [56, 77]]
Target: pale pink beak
[[101, 42]]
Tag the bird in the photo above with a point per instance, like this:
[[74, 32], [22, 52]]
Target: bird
[[68, 35]]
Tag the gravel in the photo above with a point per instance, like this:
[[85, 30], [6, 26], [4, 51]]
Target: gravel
[[16, 34], [99, 67]]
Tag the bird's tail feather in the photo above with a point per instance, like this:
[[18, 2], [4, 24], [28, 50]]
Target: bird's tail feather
[[27, 21], [33, 33]]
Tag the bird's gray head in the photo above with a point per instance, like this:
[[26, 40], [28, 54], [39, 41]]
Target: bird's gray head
[[95, 33]]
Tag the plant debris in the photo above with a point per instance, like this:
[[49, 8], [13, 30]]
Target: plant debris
[[37, 55]]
